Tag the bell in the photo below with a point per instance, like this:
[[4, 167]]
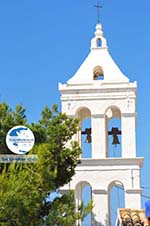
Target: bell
[[88, 139], [87, 132], [115, 140], [114, 132]]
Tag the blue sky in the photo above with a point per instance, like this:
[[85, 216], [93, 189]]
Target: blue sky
[[43, 42]]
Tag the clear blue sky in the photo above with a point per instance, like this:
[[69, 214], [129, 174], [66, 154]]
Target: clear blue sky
[[43, 42]]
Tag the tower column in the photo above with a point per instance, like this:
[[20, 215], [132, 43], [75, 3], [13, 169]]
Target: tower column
[[133, 198], [128, 135], [100, 209], [98, 137]]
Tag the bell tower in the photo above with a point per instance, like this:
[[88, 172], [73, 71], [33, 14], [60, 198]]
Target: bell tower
[[101, 93]]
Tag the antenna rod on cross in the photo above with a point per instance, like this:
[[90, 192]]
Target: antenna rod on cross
[[98, 6]]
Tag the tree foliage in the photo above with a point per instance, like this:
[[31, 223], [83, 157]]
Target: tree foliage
[[8, 119], [25, 187]]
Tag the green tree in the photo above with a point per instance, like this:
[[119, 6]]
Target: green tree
[[25, 187], [8, 119]]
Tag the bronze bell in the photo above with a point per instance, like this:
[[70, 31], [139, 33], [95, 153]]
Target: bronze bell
[[87, 132], [114, 132], [115, 140], [88, 139]]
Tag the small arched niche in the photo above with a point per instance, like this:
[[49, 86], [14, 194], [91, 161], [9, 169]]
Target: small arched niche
[[83, 194], [98, 73], [85, 132], [99, 42], [113, 132], [116, 199]]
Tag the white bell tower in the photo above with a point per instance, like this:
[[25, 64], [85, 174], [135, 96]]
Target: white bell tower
[[100, 92]]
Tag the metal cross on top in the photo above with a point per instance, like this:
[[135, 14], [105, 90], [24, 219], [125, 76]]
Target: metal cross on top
[[98, 6]]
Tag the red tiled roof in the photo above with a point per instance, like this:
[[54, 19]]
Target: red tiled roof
[[133, 217]]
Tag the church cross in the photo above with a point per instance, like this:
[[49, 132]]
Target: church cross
[[98, 6]]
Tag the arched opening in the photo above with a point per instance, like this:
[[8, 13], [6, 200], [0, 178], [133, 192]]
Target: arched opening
[[86, 197], [98, 73], [99, 42], [86, 138], [113, 132], [116, 200], [83, 194], [85, 133]]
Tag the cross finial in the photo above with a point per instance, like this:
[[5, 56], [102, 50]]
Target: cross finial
[[98, 6]]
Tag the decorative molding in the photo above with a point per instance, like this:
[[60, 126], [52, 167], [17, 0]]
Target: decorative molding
[[99, 191], [97, 115], [138, 161], [130, 114], [134, 191]]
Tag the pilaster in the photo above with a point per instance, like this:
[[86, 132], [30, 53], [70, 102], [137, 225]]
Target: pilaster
[[98, 137], [100, 215]]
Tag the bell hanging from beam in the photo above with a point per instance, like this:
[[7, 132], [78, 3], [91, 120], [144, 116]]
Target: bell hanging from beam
[[115, 140], [87, 132], [115, 132], [88, 139]]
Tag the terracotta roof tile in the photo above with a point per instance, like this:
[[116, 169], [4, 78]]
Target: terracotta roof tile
[[133, 217]]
